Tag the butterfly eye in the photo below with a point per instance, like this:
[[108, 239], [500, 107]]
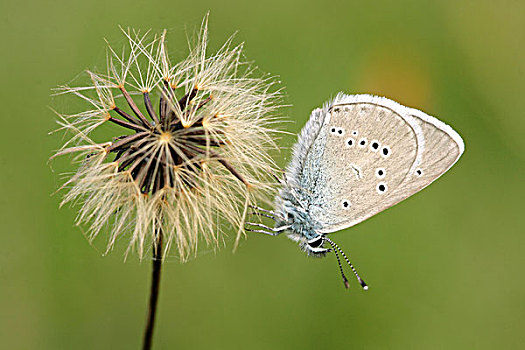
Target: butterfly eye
[[345, 204], [363, 142], [380, 173], [354, 132], [350, 142], [316, 242], [419, 172]]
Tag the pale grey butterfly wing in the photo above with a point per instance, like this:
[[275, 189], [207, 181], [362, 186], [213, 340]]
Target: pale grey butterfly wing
[[368, 149], [441, 147], [361, 154]]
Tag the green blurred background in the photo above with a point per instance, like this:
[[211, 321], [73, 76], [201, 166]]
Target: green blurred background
[[445, 267]]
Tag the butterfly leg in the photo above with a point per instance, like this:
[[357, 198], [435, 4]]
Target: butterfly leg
[[262, 231], [265, 212], [279, 229], [266, 229]]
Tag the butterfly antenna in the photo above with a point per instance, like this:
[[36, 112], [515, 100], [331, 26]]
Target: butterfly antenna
[[336, 248], [345, 280]]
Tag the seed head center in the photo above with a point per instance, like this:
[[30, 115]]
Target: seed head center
[[165, 137]]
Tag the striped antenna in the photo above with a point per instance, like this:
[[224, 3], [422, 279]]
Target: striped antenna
[[337, 249]]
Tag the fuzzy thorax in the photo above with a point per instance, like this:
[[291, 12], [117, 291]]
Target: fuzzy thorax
[[300, 226]]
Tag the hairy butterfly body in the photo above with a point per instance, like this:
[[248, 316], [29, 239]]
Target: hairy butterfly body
[[357, 156]]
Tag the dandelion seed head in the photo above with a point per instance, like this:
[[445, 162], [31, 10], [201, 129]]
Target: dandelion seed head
[[194, 149]]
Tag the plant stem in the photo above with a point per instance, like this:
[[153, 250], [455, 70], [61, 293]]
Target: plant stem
[[154, 292]]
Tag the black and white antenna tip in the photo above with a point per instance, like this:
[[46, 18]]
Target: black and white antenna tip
[[363, 284]]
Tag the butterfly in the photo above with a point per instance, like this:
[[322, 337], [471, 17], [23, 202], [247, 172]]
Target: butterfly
[[356, 156]]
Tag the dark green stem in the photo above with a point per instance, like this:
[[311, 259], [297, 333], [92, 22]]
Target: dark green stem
[[154, 292]]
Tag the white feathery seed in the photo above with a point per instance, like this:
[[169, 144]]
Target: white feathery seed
[[188, 163]]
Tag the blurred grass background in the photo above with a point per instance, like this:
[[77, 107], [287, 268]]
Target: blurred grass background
[[445, 267]]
